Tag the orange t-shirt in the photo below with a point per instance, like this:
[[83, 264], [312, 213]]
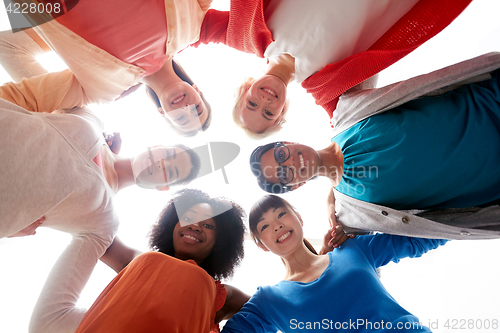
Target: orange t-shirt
[[157, 293]]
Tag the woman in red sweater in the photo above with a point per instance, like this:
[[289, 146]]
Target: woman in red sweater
[[352, 42]]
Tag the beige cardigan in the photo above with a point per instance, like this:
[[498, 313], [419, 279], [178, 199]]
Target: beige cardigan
[[96, 76]]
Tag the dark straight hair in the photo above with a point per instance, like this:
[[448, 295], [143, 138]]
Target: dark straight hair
[[181, 73], [261, 207]]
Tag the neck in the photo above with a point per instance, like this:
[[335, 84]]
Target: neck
[[123, 169], [161, 78], [282, 67], [332, 163], [302, 265]]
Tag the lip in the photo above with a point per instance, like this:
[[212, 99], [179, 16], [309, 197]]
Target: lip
[[302, 170], [269, 91], [287, 234], [178, 99], [190, 237]]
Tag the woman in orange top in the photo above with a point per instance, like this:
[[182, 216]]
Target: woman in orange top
[[197, 240]]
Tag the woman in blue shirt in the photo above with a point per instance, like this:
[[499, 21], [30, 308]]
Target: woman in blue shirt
[[302, 300]]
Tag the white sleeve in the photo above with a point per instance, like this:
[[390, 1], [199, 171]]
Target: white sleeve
[[55, 310]]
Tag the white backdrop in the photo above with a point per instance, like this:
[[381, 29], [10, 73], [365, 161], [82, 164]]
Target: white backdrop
[[457, 281]]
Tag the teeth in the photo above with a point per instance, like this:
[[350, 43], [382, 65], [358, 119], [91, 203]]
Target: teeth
[[191, 237], [285, 236], [270, 92], [178, 100], [302, 164]]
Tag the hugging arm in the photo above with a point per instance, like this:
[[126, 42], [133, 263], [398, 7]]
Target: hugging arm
[[235, 300], [336, 235], [35, 89], [55, 310], [18, 52], [386, 248], [118, 255]]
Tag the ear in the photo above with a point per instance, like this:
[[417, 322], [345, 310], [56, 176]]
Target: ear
[[262, 247], [162, 112], [300, 219], [162, 188], [195, 87], [280, 121], [294, 187]]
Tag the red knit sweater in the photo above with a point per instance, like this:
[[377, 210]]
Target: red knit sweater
[[244, 29]]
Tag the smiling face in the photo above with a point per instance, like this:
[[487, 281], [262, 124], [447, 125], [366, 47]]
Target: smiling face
[[279, 230], [263, 104], [161, 167], [182, 105], [197, 239], [301, 164]]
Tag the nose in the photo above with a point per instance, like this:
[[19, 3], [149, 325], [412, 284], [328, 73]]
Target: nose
[[265, 98], [195, 226], [278, 227]]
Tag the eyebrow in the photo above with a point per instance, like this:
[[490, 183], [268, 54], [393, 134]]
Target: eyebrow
[[262, 219], [177, 172], [175, 154], [184, 124]]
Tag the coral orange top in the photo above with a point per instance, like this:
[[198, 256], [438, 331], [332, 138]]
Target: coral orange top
[[157, 293], [133, 31]]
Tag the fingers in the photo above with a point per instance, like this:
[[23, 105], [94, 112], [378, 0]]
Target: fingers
[[338, 237], [114, 141], [29, 230]]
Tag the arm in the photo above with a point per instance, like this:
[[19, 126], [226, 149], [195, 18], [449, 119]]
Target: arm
[[385, 248], [46, 93], [55, 310], [118, 255], [235, 300], [330, 208], [243, 28], [29, 230], [18, 54], [251, 318], [336, 235]]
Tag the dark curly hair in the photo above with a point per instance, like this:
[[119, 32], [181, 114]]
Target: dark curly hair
[[227, 252]]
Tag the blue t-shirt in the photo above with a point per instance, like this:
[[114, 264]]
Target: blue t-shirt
[[432, 152], [348, 296]]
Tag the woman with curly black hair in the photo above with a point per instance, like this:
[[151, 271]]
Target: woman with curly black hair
[[227, 250], [196, 241]]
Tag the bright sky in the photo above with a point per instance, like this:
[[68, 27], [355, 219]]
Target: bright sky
[[456, 282]]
